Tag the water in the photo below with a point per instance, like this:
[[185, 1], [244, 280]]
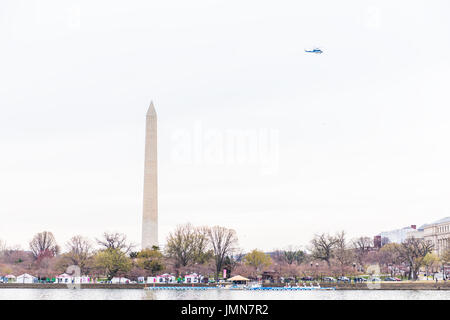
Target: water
[[140, 294]]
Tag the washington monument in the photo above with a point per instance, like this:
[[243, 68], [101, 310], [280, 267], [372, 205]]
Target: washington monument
[[150, 208]]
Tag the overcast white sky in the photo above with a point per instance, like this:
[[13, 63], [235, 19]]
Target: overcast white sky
[[356, 138]]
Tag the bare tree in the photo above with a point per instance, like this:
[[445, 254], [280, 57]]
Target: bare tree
[[362, 246], [44, 245], [413, 252], [343, 253], [116, 240], [202, 245], [187, 245], [79, 251], [223, 242], [323, 246]]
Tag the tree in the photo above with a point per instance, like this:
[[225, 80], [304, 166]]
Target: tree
[[362, 246], [445, 258], [232, 261], [342, 253], [203, 252], [290, 256], [79, 252], [257, 259], [413, 252], [17, 257], [112, 261], [223, 242], [187, 245], [389, 256], [150, 260], [116, 240], [430, 261], [44, 245], [323, 247]]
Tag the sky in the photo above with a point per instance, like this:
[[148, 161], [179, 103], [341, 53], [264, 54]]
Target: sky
[[254, 133]]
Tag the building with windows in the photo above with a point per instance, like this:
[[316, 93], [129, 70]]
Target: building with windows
[[438, 233]]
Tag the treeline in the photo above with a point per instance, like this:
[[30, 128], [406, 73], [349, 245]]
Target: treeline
[[361, 256], [211, 250]]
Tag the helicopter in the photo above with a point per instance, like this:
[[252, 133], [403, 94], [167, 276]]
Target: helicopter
[[315, 50]]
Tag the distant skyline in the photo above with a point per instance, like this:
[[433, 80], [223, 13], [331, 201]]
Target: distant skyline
[[353, 139]]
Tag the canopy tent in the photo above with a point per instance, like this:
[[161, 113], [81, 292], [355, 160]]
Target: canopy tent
[[118, 280], [193, 278], [9, 278], [238, 279], [64, 278], [26, 278]]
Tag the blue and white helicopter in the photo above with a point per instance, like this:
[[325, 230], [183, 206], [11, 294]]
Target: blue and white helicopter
[[315, 50]]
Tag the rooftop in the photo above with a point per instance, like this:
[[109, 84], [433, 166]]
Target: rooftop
[[446, 219], [443, 220]]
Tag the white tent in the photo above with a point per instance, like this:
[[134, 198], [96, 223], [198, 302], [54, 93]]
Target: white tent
[[82, 279], [120, 280], [64, 278], [25, 278], [193, 278], [164, 278], [9, 278]]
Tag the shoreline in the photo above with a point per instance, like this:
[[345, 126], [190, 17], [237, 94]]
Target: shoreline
[[339, 286]]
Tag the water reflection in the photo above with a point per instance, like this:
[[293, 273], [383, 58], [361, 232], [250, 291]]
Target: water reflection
[[138, 294]]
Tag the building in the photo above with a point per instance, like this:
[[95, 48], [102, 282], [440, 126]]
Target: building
[[417, 233], [438, 233], [377, 242], [396, 236]]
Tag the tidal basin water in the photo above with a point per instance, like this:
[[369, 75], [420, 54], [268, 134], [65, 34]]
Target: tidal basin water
[[140, 294]]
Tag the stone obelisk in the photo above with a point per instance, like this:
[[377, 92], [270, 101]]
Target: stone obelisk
[[150, 209]]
